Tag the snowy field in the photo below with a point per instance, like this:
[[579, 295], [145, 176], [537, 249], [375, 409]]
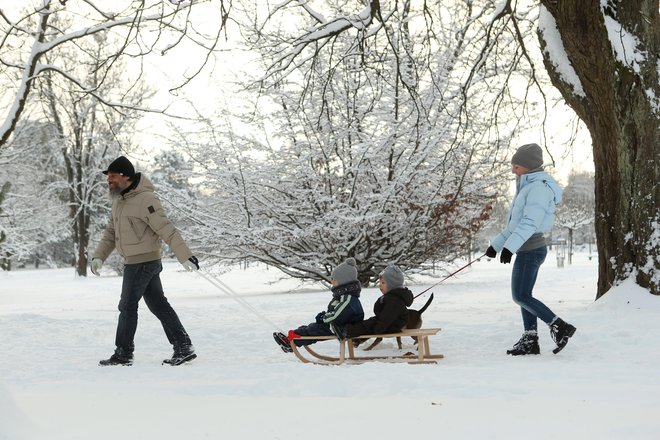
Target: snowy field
[[55, 328]]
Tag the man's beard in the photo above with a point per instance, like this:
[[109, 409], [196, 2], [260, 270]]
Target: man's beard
[[115, 191]]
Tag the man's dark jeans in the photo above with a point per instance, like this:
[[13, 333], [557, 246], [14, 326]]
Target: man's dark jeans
[[143, 281]]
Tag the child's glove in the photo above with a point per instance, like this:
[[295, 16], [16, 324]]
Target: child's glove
[[319, 317]]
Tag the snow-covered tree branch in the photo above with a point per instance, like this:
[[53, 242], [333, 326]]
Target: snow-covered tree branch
[[146, 28], [360, 156]]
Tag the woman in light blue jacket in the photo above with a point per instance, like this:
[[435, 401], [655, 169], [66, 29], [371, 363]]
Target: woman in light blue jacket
[[532, 214]]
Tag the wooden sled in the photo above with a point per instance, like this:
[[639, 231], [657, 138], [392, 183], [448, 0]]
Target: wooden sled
[[423, 355]]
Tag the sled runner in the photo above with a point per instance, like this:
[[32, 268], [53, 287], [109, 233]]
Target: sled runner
[[423, 355]]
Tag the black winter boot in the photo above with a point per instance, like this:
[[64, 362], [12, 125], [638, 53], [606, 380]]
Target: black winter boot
[[183, 353], [119, 357], [283, 342], [528, 344], [560, 331]]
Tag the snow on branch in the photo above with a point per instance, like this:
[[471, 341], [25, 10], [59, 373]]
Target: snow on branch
[[625, 45], [321, 34], [554, 48], [144, 25]]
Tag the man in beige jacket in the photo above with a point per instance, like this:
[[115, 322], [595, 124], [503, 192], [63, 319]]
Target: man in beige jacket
[[136, 227]]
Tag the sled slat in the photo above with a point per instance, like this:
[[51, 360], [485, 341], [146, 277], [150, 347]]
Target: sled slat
[[423, 355]]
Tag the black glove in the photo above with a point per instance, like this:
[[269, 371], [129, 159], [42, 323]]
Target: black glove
[[319, 317], [491, 252], [192, 260], [505, 257]]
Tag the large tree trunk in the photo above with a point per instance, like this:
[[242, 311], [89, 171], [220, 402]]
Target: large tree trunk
[[621, 108]]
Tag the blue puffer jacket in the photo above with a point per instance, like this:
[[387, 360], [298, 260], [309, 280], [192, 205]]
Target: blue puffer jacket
[[533, 210], [345, 307]]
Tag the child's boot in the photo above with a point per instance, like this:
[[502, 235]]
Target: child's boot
[[283, 342]]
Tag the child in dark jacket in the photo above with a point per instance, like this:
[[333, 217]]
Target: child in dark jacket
[[344, 308], [390, 310]]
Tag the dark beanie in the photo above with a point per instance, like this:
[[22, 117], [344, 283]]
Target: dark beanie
[[529, 156], [346, 272], [393, 277], [122, 166]]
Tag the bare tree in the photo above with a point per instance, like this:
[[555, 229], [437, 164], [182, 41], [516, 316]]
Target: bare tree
[[470, 52], [144, 28], [365, 159], [88, 136], [34, 212]]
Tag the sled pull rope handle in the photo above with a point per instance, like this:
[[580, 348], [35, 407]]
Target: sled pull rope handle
[[451, 275], [224, 288]]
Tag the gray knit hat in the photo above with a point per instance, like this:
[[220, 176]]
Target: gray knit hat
[[393, 277], [346, 272], [529, 156]]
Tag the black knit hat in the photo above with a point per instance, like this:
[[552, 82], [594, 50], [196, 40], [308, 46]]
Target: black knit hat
[[122, 166]]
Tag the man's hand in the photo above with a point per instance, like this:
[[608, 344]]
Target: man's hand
[[97, 264], [491, 252], [505, 257], [191, 264]]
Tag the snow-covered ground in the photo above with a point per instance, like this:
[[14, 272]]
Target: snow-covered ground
[[56, 327]]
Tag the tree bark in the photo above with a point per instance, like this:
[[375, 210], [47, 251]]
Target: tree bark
[[621, 108]]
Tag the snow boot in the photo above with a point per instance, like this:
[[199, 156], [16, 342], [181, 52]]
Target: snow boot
[[528, 344], [560, 331], [119, 357], [283, 342], [184, 353]]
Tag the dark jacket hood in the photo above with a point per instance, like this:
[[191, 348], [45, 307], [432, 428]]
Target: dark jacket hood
[[404, 294]]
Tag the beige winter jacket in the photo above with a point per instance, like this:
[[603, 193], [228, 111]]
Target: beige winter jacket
[[136, 227]]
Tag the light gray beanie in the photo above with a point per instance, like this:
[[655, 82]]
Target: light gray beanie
[[346, 272], [529, 156], [393, 277]]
